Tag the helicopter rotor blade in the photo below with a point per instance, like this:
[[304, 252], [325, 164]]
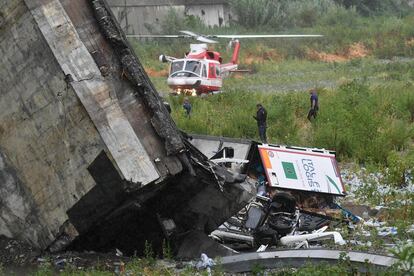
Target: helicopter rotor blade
[[207, 38], [158, 36], [197, 37], [266, 36], [190, 33], [201, 38]]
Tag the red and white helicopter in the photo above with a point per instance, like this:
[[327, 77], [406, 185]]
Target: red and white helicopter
[[201, 71]]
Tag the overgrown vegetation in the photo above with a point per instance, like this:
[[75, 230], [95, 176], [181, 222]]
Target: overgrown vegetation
[[287, 14], [387, 34], [367, 105], [358, 122], [343, 267], [405, 255]]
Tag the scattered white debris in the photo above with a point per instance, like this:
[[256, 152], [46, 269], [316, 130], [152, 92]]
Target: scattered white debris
[[118, 252], [205, 263], [262, 248], [374, 223], [362, 179], [387, 231]]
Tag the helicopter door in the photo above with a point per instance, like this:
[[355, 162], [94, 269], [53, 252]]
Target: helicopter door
[[212, 71]]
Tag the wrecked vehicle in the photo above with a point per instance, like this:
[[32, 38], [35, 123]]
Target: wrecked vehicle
[[270, 222], [296, 190]]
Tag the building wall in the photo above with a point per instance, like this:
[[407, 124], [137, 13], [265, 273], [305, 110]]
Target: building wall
[[145, 17], [211, 15]]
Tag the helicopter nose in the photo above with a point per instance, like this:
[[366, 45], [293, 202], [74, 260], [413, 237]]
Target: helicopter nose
[[194, 82]]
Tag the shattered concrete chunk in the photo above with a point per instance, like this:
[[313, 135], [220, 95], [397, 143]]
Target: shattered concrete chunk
[[87, 146]]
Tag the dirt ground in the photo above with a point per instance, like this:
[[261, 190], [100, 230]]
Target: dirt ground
[[20, 259], [356, 50]]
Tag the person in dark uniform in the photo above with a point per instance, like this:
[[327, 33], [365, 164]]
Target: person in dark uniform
[[261, 116], [313, 111], [187, 107]]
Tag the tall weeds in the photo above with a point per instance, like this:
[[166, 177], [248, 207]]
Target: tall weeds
[[357, 121], [364, 119]]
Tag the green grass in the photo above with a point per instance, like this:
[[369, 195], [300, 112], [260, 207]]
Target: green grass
[[383, 37], [344, 267], [367, 104], [359, 122]]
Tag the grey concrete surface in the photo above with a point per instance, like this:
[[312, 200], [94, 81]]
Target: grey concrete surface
[[146, 17], [58, 112], [46, 137]]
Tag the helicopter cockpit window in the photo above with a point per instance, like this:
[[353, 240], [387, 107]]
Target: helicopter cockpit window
[[188, 68], [193, 66], [217, 71], [177, 66]]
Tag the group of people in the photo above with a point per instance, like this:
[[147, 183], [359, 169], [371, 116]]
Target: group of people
[[261, 114]]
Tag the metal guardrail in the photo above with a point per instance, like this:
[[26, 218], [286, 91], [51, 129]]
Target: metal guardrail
[[296, 258]]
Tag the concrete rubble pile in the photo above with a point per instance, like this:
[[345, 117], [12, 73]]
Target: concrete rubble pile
[[89, 156]]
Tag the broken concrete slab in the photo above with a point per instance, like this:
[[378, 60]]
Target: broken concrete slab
[[85, 141], [196, 242]]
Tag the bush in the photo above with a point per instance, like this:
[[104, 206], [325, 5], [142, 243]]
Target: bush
[[284, 14], [174, 23], [280, 14], [399, 166], [340, 16], [405, 255], [256, 13], [306, 13], [375, 7]]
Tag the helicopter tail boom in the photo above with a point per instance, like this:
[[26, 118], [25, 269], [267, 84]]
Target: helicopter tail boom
[[236, 51]]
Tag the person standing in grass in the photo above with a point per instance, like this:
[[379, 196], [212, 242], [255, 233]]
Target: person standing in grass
[[187, 107], [261, 116], [314, 104]]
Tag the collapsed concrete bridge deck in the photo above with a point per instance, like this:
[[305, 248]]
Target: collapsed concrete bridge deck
[[89, 156]]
